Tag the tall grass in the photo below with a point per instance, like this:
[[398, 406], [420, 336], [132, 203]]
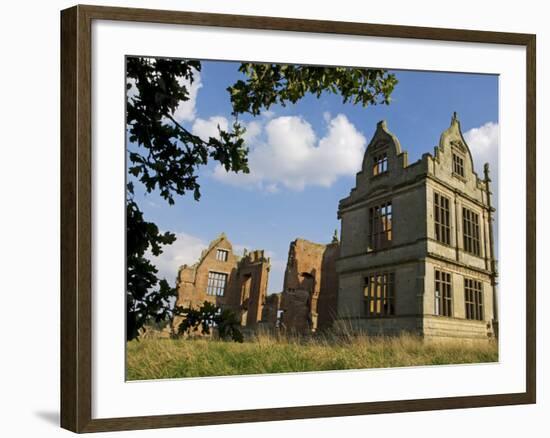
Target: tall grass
[[264, 353]]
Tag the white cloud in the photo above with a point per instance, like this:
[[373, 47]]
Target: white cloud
[[186, 250], [291, 155], [483, 143], [253, 131], [268, 114], [209, 128], [271, 188], [186, 112]]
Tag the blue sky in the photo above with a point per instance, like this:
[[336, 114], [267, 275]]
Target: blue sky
[[297, 174]]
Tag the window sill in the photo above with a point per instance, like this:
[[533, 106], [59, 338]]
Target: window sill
[[378, 316], [377, 250], [385, 173], [460, 177], [479, 256], [448, 245]]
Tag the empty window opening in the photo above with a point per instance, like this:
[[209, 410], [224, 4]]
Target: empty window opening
[[458, 165], [379, 294], [221, 255], [442, 220], [443, 294], [473, 299], [380, 163], [380, 235], [216, 283], [470, 224]]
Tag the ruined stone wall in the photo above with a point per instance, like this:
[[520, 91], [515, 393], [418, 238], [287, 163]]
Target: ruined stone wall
[[245, 282], [328, 295], [297, 313], [193, 280], [310, 288], [310, 293], [270, 310], [252, 281]]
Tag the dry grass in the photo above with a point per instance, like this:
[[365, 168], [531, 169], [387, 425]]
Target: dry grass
[[176, 358]]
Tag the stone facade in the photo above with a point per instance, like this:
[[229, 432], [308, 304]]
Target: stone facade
[[238, 283], [416, 250], [309, 296]]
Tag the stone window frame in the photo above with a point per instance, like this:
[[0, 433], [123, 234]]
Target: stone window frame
[[222, 255], [380, 226], [443, 293], [458, 164], [471, 231], [216, 283], [473, 299], [442, 218], [380, 163], [379, 295]]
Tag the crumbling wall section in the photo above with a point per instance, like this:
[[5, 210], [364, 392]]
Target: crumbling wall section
[[253, 277], [270, 310], [240, 284], [327, 303], [310, 288]]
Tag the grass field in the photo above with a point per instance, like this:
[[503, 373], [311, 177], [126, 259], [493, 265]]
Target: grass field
[[175, 358]]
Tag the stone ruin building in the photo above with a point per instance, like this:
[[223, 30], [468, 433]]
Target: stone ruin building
[[238, 283], [415, 255], [309, 298], [416, 250]]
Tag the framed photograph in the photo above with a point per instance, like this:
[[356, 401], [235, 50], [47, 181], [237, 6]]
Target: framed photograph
[[268, 219]]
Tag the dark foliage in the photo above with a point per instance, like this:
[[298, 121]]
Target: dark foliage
[[269, 84], [208, 317], [142, 305]]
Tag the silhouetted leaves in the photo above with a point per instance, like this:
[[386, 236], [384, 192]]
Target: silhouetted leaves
[[147, 297], [270, 84], [206, 318], [168, 155]]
